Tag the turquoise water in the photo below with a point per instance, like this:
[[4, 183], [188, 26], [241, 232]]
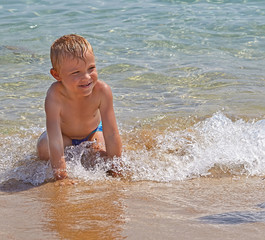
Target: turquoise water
[[180, 68]]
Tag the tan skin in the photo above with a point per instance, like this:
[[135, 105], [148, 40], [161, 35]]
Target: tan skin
[[75, 104]]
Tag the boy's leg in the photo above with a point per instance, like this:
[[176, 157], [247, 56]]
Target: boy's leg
[[89, 161], [99, 146], [42, 146]]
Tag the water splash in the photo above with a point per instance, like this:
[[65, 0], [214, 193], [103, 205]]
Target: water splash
[[214, 147], [239, 146], [81, 165]]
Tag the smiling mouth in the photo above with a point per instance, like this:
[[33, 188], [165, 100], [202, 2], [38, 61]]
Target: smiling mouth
[[85, 85]]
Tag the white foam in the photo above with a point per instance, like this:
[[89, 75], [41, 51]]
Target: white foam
[[232, 144], [237, 147]]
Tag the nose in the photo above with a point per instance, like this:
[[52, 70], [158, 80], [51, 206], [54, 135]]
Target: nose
[[87, 76]]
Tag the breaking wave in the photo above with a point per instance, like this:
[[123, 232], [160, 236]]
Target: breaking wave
[[214, 147]]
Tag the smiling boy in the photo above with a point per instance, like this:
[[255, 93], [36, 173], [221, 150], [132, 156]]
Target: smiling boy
[[78, 106]]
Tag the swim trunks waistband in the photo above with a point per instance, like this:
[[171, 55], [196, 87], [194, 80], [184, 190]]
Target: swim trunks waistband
[[78, 141]]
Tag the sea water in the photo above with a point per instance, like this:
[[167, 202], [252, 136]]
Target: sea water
[[187, 79], [193, 71]]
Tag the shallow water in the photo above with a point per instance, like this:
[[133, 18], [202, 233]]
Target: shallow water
[[188, 85], [201, 208]]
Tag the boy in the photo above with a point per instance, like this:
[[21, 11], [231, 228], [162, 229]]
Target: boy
[[78, 106]]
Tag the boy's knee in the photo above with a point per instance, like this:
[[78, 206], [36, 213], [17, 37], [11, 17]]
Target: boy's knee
[[42, 147], [43, 153]]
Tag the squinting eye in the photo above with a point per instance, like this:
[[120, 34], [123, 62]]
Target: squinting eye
[[74, 73], [92, 68]]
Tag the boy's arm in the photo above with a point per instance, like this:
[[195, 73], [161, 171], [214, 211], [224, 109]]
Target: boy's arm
[[110, 129], [55, 139]]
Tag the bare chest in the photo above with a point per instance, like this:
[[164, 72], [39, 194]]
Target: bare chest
[[78, 120]]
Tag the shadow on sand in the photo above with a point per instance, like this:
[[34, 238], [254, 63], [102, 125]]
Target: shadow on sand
[[13, 186], [235, 217]]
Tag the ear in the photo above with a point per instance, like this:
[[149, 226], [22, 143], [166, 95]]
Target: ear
[[55, 74]]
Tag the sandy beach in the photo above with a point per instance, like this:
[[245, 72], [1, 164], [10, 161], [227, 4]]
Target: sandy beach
[[187, 78], [205, 208]]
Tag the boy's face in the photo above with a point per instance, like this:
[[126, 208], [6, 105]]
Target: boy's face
[[77, 75]]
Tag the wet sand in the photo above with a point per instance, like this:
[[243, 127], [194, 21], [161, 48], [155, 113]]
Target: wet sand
[[202, 208]]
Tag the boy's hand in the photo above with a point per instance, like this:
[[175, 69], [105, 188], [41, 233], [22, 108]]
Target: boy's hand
[[115, 171], [65, 182], [59, 169], [59, 174]]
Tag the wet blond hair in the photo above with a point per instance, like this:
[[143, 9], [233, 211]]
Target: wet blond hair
[[72, 45]]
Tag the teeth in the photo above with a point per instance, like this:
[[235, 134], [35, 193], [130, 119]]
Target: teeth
[[85, 85]]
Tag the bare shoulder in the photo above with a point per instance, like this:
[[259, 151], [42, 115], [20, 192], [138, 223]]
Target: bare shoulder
[[103, 89], [102, 86], [53, 97], [54, 91]]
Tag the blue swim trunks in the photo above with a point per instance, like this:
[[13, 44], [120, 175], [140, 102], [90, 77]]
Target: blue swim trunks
[[78, 141]]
